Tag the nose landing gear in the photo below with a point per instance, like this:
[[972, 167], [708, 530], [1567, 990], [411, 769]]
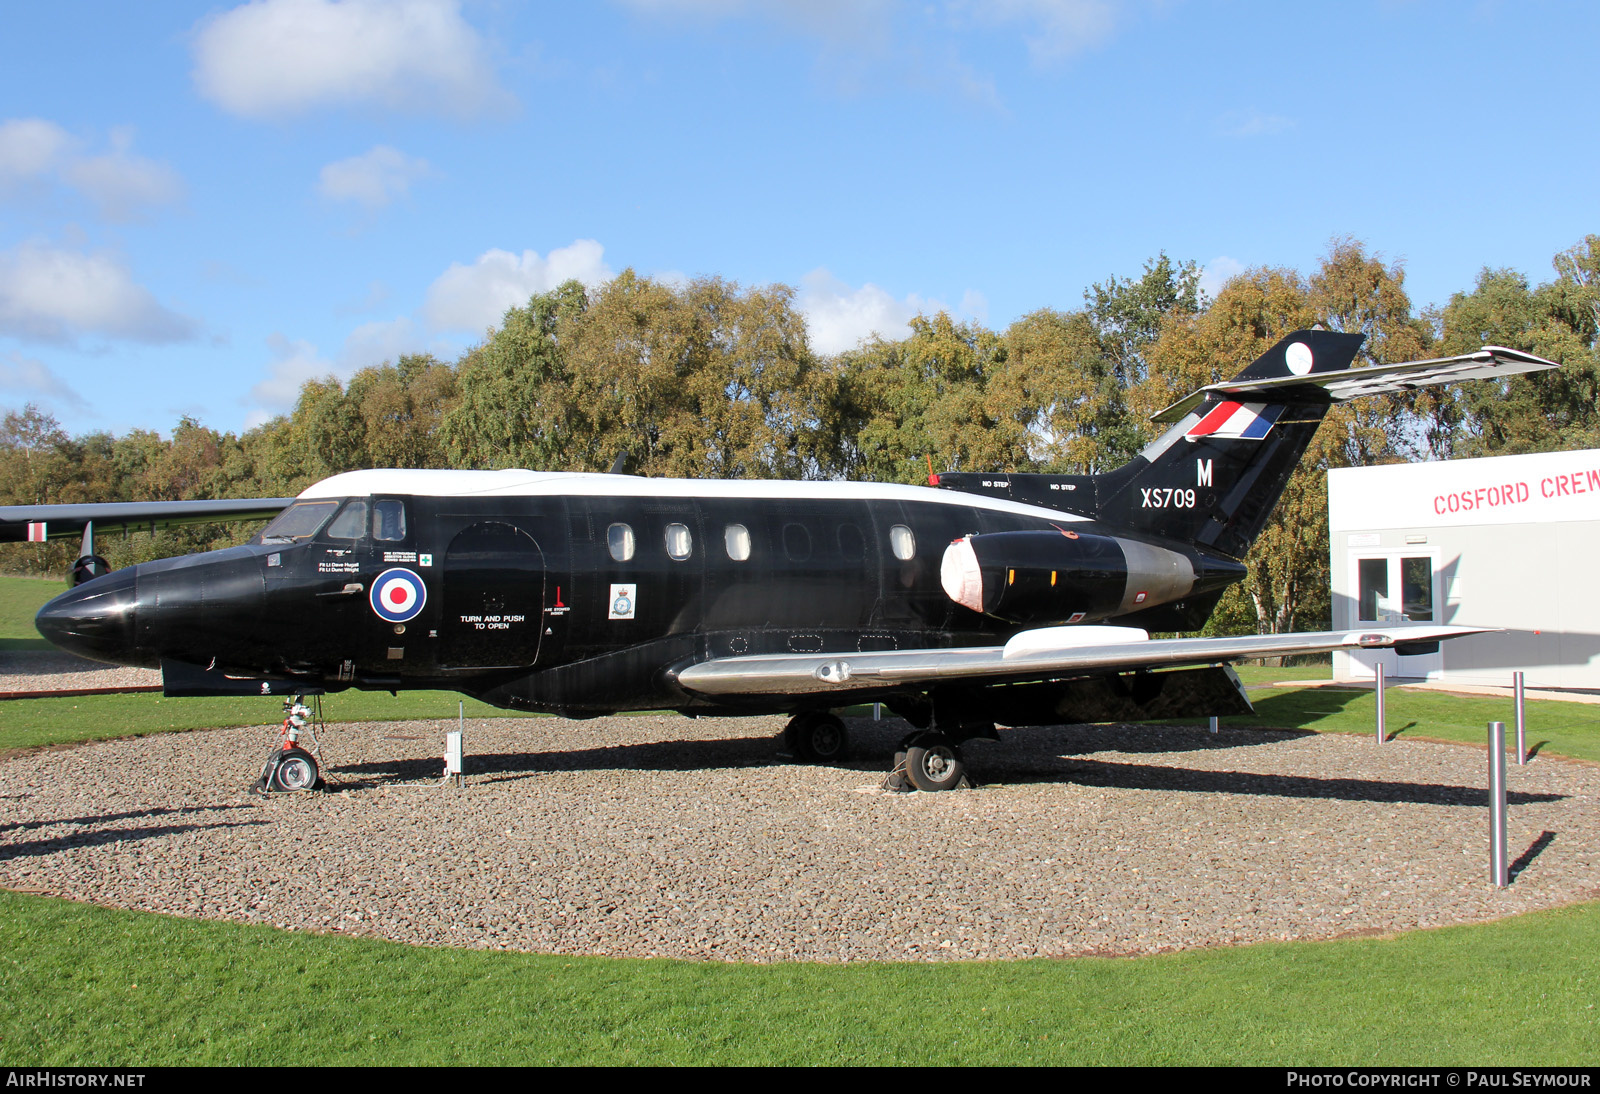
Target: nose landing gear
[[291, 768]]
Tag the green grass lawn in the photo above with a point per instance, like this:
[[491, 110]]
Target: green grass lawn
[[30, 723], [87, 985], [1553, 727], [20, 599]]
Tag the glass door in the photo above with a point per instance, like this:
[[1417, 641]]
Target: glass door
[[1396, 589]]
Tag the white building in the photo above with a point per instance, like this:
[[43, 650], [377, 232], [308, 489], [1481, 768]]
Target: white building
[[1511, 542]]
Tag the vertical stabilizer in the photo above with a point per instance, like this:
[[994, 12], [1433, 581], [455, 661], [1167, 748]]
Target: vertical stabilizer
[[1214, 476]]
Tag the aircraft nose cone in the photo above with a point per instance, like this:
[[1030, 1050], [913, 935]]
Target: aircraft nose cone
[[96, 619]]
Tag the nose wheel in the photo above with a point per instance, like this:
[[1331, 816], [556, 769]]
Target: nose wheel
[[289, 770]]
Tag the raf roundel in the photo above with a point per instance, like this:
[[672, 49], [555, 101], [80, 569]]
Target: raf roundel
[[398, 595]]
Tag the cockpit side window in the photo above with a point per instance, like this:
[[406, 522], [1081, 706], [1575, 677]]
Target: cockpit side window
[[351, 523], [300, 521], [389, 521]]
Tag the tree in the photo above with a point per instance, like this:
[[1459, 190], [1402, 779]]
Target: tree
[[515, 405], [936, 394], [1543, 411]]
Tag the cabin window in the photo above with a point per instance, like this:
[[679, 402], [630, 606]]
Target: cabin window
[[389, 521], [851, 546], [679, 542], [902, 542], [300, 521], [351, 523], [736, 537], [796, 542], [619, 541]]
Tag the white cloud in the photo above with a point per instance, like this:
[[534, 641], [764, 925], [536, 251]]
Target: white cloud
[[838, 317], [30, 377], [1253, 123], [272, 58], [374, 178], [293, 363], [119, 183], [380, 341], [1060, 28], [1217, 273], [855, 22], [31, 147], [51, 294], [474, 298]]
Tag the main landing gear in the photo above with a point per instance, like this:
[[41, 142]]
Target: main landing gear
[[817, 737], [926, 760], [290, 768]]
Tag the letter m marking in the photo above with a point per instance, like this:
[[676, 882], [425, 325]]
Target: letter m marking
[[1202, 472]]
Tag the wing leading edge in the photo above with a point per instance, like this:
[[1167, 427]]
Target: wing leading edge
[[1046, 653]]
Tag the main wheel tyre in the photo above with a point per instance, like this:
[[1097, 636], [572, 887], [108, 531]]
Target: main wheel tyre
[[934, 763], [817, 738], [295, 770]]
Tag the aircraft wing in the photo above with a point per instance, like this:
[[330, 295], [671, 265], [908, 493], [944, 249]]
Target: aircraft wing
[[1352, 383], [1042, 654], [21, 523]]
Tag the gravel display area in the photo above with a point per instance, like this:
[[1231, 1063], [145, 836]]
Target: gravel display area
[[663, 836], [28, 671]]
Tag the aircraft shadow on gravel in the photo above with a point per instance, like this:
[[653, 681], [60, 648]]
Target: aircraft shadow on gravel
[[101, 837]]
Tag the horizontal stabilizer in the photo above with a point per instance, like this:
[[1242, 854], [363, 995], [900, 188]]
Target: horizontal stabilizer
[[810, 673], [1490, 361]]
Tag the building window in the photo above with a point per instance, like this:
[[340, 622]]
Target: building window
[[619, 541], [679, 542], [1372, 580], [736, 537], [1416, 589]]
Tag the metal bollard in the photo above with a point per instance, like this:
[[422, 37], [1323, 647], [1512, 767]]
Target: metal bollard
[[1380, 704], [1215, 723], [1499, 874], [1522, 721]]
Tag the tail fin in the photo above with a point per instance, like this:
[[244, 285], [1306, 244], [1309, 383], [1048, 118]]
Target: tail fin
[[1213, 478]]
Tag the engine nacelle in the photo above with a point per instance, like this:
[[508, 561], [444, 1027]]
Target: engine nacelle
[[1061, 576]]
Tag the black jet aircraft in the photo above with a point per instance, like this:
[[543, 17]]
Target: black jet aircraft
[[1017, 599]]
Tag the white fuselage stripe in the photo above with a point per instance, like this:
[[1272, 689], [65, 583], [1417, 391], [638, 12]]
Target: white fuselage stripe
[[518, 483]]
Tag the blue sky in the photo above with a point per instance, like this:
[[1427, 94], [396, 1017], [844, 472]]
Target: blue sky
[[202, 205]]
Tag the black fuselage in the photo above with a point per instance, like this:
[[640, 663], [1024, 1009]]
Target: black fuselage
[[576, 603]]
